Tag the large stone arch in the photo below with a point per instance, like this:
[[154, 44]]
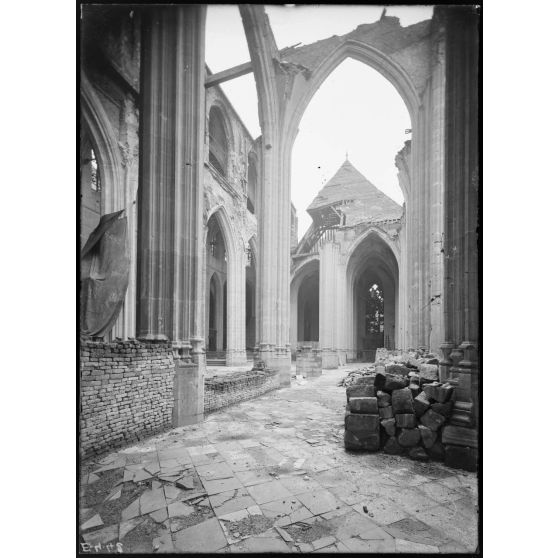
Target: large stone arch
[[301, 272], [105, 144], [361, 52], [223, 112], [387, 270], [236, 286], [118, 191]]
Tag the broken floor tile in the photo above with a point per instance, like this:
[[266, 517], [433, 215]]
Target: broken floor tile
[[234, 505], [166, 478], [280, 508], [128, 476], [318, 501], [203, 537], [439, 493], [179, 509], [354, 524], [300, 514], [102, 536], [141, 476], [159, 516], [171, 492], [370, 546], [401, 545], [284, 535], [414, 530], [268, 492], [114, 495], [152, 500], [323, 542], [186, 482], [296, 483], [152, 468], [126, 526], [220, 485], [163, 544], [214, 471], [116, 464], [250, 478], [133, 510], [381, 510], [95, 521]]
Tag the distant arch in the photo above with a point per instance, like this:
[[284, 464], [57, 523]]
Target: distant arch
[[368, 55], [105, 145]]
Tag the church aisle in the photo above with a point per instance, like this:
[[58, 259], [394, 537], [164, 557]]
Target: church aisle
[[272, 475]]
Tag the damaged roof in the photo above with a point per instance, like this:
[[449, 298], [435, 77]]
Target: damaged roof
[[351, 193]]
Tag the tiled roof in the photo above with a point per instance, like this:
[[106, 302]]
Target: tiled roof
[[363, 200]]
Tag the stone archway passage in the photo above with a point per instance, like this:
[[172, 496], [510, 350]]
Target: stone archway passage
[[216, 280], [372, 262]]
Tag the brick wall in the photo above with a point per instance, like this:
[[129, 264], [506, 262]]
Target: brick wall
[[126, 393], [221, 391]]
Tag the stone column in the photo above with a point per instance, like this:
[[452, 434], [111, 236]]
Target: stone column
[[341, 341], [274, 202], [170, 239], [329, 262], [460, 238], [436, 102], [236, 308]]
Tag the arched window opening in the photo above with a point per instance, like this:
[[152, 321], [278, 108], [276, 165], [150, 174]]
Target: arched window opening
[[218, 144], [251, 199], [90, 188], [375, 310]]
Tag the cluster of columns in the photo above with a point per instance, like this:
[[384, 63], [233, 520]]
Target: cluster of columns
[[439, 236], [171, 283]]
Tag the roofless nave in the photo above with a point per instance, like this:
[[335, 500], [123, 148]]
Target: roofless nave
[[209, 259]]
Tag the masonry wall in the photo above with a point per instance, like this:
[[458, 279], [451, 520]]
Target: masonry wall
[[126, 393], [222, 391]]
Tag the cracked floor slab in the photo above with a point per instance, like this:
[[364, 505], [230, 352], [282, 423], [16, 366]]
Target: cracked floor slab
[[310, 494]]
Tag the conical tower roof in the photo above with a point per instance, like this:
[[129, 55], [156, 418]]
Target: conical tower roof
[[350, 191]]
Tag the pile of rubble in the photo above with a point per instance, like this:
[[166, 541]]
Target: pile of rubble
[[398, 405], [397, 362]]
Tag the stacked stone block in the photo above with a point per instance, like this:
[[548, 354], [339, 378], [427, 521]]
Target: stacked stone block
[[399, 411], [362, 419], [126, 393], [221, 391]]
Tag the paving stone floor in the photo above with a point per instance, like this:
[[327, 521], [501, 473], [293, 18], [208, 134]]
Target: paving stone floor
[[272, 475]]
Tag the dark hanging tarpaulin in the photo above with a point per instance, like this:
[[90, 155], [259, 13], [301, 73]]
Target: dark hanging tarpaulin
[[105, 266]]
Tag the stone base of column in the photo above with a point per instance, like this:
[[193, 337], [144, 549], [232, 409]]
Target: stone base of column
[[236, 357], [342, 355], [461, 447], [351, 355], [330, 359], [308, 362], [277, 358], [188, 392], [283, 364]]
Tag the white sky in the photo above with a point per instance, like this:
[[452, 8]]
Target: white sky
[[356, 109]]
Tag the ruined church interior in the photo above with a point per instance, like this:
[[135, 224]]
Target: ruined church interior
[[257, 375]]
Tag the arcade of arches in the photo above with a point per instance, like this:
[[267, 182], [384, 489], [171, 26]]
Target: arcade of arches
[[215, 268]]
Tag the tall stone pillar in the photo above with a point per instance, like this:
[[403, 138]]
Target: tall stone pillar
[[460, 239], [236, 309], [341, 341], [329, 263], [274, 202], [170, 196]]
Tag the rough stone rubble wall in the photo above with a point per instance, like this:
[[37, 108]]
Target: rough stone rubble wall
[[241, 386], [126, 393]]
